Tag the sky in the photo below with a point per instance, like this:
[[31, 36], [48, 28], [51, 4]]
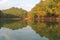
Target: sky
[[25, 4]]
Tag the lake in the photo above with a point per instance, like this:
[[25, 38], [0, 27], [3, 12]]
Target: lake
[[34, 30]]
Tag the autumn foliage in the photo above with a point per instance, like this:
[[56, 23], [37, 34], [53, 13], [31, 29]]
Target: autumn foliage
[[43, 7]]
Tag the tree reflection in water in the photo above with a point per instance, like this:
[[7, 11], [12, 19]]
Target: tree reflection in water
[[50, 30], [1, 23], [13, 24]]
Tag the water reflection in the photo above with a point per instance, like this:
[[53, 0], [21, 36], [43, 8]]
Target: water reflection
[[50, 30], [25, 33], [1, 24], [13, 24], [34, 31]]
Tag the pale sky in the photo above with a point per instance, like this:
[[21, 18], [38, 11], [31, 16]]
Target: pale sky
[[25, 4]]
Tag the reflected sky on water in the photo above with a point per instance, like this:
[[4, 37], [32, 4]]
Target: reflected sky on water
[[25, 33], [22, 30]]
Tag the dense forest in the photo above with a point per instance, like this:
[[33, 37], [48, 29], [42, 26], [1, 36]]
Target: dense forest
[[44, 8], [13, 13]]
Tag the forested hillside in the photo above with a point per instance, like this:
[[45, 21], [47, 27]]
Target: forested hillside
[[45, 8], [13, 13]]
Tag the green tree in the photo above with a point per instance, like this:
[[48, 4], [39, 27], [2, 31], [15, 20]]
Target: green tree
[[1, 14], [21, 13]]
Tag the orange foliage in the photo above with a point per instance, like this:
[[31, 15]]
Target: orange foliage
[[40, 13], [58, 4]]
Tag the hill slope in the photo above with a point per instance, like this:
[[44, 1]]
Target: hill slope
[[47, 7], [16, 12]]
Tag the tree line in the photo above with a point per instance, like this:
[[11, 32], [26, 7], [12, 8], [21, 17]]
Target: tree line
[[47, 8], [13, 13]]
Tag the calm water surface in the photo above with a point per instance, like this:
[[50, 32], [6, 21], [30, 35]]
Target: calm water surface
[[20, 34], [21, 30]]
